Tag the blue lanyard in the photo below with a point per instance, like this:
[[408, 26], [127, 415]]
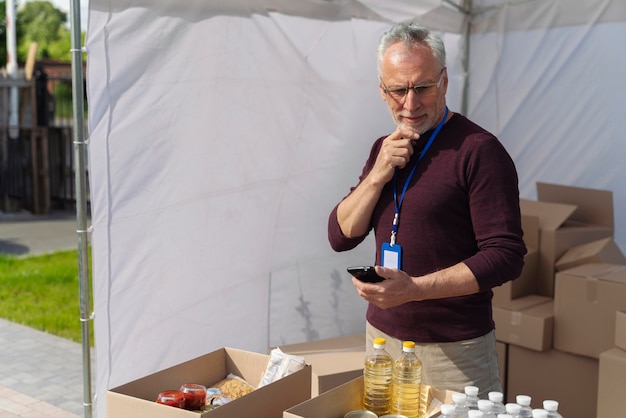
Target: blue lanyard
[[394, 228]]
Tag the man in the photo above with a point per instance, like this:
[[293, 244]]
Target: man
[[442, 197]]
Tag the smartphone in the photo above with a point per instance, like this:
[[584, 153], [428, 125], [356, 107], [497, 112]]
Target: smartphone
[[365, 274]]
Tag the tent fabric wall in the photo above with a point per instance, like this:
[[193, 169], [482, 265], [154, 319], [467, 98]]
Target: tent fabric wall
[[554, 94], [221, 135]]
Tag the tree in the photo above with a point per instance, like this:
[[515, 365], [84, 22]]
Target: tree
[[3, 33], [41, 22]]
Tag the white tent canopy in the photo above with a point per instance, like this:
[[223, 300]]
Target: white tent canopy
[[223, 133]]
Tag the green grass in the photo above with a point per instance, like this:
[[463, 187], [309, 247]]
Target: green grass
[[42, 292]]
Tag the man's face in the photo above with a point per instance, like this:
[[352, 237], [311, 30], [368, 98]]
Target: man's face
[[418, 109]]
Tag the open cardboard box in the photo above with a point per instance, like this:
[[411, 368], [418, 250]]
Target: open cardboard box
[[348, 397], [137, 399], [568, 216], [600, 251], [334, 361]]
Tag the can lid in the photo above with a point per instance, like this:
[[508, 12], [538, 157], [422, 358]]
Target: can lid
[[360, 413]]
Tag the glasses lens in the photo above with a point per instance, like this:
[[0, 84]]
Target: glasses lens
[[398, 94]]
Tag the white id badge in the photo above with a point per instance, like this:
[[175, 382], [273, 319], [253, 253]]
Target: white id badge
[[391, 256]]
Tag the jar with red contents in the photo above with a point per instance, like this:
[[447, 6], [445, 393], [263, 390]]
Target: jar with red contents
[[195, 396], [174, 398]]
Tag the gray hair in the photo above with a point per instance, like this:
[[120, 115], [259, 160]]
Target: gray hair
[[411, 33]]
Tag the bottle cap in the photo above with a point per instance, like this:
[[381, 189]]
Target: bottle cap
[[495, 396], [523, 400], [540, 413], [474, 413], [447, 409], [512, 408], [458, 397], [471, 390], [484, 405], [379, 342], [550, 405], [408, 346]]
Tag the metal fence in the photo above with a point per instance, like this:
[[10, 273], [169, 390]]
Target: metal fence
[[37, 157]]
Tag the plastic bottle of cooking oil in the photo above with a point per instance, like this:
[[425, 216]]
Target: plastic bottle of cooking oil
[[377, 379], [406, 382]]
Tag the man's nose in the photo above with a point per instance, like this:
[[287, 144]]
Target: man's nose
[[411, 100]]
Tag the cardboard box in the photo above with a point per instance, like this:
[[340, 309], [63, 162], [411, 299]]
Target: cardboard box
[[612, 384], [348, 397], [601, 251], [527, 322], [620, 329], [570, 379], [334, 361], [526, 283], [354, 342], [137, 399], [329, 370], [568, 217], [585, 302]]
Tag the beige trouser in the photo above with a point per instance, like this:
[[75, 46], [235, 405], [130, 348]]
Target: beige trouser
[[453, 365]]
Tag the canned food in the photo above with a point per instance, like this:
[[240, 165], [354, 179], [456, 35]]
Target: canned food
[[360, 413], [394, 416]]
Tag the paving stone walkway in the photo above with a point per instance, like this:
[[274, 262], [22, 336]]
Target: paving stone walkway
[[41, 375]]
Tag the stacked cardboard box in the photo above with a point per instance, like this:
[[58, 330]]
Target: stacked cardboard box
[[558, 328], [612, 373]]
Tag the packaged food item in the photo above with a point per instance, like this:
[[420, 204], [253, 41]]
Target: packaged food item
[[233, 387], [195, 396], [281, 365], [174, 398]]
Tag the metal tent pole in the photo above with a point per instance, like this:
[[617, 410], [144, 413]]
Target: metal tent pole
[[80, 153]]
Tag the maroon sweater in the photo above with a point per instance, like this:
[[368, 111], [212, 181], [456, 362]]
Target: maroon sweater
[[462, 206]]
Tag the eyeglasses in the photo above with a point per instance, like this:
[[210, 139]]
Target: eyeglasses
[[423, 90]]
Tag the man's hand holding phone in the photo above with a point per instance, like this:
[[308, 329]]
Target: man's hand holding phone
[[365, 274]]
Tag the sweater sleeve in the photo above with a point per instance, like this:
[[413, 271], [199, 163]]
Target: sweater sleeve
[[494, 206], [338, 241]]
